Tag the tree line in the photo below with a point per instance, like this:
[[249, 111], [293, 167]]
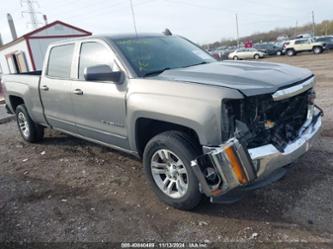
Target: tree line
[[323, 28]]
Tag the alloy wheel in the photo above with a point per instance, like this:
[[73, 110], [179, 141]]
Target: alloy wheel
[[23, 124], [169, 173]]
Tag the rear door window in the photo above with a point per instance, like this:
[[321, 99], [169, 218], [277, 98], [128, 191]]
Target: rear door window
[[301, 41], [60, 61]]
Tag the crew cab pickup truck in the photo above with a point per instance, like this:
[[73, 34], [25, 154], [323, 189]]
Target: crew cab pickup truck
[[201, 127]]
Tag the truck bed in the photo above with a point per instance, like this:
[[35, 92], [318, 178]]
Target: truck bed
[[26, 86]]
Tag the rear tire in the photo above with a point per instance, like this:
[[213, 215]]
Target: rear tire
[[166, 159], [30, 131], [278, 53], [290, 52]]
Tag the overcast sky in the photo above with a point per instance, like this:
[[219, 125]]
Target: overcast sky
[[198, 20]]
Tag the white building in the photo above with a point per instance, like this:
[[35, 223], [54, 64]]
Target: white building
[[26, 53]]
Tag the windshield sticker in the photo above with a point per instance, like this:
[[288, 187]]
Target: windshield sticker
[[143, 65]]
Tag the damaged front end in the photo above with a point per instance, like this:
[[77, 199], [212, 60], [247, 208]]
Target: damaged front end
[[224, 168], [262, 134]]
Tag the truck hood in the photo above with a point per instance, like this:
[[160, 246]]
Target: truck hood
[[251, 78]]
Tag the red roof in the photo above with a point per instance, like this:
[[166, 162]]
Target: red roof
[[55, 23], [28, 35]]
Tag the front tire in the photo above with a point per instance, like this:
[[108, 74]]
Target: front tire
[[167, 164], [256, 56], [317, 50], [235, 58], [30, 131]]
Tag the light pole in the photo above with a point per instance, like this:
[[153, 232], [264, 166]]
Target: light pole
[[237, 30]]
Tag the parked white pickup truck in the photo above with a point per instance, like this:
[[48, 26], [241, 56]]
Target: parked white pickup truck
[[200, 126], [304, 45]]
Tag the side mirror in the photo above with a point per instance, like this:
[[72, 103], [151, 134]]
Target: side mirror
[[103, 73]]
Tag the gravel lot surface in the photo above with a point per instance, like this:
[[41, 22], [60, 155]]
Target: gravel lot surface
[[66, 189]]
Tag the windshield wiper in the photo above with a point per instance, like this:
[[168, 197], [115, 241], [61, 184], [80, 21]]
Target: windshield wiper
[[201, 63], [156, 72]]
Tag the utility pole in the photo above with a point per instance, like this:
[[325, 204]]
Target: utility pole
[[31, 12], [237, 30], [313, 24]]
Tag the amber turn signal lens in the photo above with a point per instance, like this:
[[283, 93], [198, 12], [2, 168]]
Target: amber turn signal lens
[[236, 166]]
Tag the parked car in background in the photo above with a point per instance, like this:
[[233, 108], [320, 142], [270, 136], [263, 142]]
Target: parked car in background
[[269, 48], [284, 45], [304, 45], [221, 54], [246, 53], [215, 54], [281, 45], [327, 40]]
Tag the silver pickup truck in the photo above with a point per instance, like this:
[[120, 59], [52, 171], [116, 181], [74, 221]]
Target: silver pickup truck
[[200, 126]]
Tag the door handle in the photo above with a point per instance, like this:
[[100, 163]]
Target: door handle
[[78, 92], [45, 88]]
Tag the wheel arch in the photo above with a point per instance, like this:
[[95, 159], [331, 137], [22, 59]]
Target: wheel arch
[[146, 128], [291, 49], [15, 101], [317, 46]]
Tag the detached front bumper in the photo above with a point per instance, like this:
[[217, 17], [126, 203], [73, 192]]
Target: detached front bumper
[[230, 166]]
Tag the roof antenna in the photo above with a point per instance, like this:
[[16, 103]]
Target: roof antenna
[[167, 32], [133, 17], [137, 36]]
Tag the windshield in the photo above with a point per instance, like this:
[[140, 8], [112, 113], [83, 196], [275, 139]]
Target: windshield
[[153, 55]]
